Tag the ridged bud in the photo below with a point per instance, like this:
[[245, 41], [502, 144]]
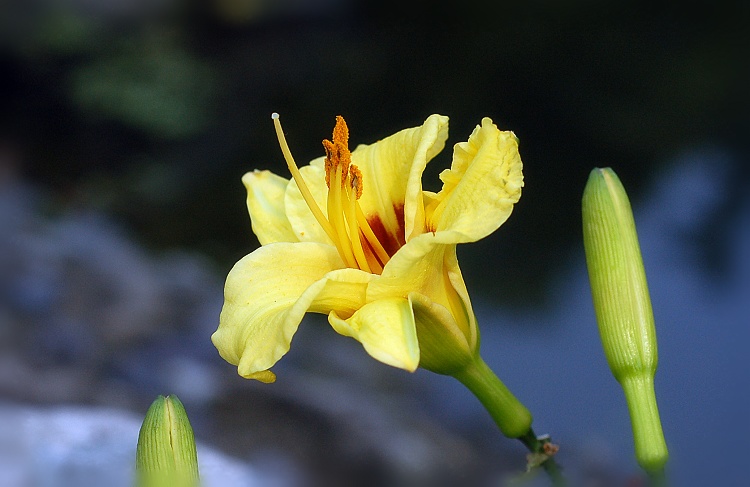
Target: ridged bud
[[166, 455], [623, 308]]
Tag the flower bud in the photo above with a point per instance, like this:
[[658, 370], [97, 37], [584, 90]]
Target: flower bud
[[623, 308], [166, 454]]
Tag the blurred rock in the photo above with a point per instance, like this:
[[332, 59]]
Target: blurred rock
[[81, 304], [346, 419], [82, 447]]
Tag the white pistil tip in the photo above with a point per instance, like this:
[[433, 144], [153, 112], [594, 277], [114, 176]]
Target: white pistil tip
[[274, 116]]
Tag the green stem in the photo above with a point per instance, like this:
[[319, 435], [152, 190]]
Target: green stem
[[650, 447], [512, 417], [657, 478]]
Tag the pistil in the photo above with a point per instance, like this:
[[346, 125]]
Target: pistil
[[306, 194]]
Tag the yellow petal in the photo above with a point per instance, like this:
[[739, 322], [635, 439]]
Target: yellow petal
[[304, 225], [427, 264], [386, 330], [482, 185], [458, 295], [392, 176], [265, 203], [343, 290], [265, 299]]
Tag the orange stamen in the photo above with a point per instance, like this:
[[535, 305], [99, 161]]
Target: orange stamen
[[345, 224], [351, 218], [336, 217]]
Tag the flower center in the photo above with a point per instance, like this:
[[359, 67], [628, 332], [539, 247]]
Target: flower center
[[345, 223]]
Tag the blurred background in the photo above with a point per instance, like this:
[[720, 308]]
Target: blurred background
[[126, 125]]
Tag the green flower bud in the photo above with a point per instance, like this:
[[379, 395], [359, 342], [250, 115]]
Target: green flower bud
[[166, 454], [623, 308]]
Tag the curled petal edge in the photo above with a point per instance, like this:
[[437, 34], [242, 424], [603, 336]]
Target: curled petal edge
[[265, 301]]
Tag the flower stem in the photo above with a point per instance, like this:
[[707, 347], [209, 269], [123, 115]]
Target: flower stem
[[512, 417], [650, 448], [657, 478]]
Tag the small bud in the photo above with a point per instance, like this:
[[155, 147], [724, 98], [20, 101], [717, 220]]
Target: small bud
[[623, 308], [166, 454]]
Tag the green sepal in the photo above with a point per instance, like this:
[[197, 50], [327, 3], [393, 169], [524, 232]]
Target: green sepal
[[443, 347]]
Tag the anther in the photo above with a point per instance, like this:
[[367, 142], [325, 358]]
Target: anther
[[355, 180]]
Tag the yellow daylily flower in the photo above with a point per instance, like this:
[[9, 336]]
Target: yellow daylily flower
[[353, 235]]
